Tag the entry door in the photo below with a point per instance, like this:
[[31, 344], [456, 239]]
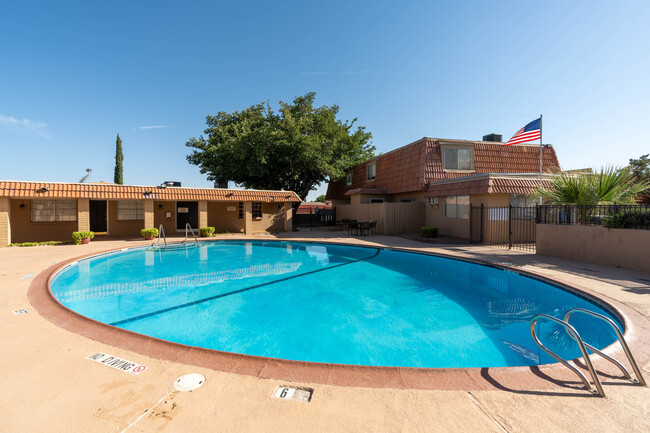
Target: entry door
[[187, 212], [98, 216]]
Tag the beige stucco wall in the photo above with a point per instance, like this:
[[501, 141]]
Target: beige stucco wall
[[160, 209], [223, 220], [23, 230], [272, 218], [628, 249], [418, 196], [122, 229]]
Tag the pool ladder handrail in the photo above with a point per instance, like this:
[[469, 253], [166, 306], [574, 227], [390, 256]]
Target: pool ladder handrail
[[637, 372], [161, 231], [189, 227], [574, 334]]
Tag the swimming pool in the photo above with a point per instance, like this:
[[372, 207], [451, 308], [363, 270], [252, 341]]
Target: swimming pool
[[327, 303]]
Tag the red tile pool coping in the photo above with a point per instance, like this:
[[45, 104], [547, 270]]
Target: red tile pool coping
[[514, 379]]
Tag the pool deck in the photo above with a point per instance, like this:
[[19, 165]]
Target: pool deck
[[49, 385]]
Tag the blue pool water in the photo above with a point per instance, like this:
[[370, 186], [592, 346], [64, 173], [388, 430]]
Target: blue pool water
[[327, 303]]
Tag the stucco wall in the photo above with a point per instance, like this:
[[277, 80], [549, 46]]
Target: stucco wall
[[122, 229], [628, 249], [272, 218], [23, 230], [224, 220], [159, 216]]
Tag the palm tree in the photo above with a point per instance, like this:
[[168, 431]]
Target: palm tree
[[607, 186]]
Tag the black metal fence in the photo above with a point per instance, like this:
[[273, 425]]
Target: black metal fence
[[507, 227], [610, 216], [320, 217]]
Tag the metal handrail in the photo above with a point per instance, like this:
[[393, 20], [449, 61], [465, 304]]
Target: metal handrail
[[188, 226], [161, 231], [574, 334], [639, 377]]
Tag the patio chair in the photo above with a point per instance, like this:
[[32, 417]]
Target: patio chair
[[372, 228]]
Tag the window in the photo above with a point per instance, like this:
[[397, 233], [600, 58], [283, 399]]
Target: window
[[407, 200], [49, 211], [372, 171], [257, 209], [348, 179], [130, 210], [457, 207], [458, 159], [523, 206], [376, 200], [241, 210]]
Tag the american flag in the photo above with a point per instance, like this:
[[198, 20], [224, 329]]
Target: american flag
[[529, 132]]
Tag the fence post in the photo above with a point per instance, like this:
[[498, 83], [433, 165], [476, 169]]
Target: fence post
[[481, 222], [510, 226]]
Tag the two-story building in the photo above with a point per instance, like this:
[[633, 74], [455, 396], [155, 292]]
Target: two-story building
[[446, 176]]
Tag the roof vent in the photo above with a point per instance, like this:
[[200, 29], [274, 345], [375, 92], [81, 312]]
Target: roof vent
[[169, 183], [492, 137]]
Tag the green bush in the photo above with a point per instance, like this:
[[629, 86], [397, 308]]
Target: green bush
[[149, 232], [77, 237], [429, 231], [206, 232], [33, 244], [626, 220]]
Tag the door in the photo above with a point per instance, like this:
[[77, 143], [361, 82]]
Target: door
[[187, 212], [97, 216]]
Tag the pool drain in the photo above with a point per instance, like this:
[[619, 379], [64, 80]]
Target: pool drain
[[189, 382]]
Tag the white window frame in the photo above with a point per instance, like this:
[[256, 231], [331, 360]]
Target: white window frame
[[130, 210], [374, 171], [348, 179], [526, 211], [446, 160], [452, 207], [53, 211]]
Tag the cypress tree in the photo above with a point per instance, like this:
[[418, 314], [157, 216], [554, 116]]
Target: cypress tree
[[119, 157]]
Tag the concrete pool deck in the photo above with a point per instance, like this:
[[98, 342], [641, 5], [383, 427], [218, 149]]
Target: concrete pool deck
[[50, 385]]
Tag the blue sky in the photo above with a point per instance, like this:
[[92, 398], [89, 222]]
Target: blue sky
[[74, 74]]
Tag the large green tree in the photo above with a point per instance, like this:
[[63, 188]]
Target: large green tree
[[294, 149], [118, 177]]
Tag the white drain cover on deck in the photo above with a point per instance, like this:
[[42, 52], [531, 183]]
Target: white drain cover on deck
[[189, 382]]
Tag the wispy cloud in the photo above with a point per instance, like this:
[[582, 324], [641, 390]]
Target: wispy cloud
[[343, 73], [24, 125], [153, 127]]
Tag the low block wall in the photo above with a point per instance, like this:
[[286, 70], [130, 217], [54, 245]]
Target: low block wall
[[629, 249]]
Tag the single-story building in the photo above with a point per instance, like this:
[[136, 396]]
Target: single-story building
[[433, 181], [46, 211]]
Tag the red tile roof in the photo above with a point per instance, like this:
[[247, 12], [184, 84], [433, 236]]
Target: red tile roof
[[103, 191], [366, 191], [486, 185], [412, 167]]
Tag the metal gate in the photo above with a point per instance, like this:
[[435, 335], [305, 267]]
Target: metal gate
[[507, 227]]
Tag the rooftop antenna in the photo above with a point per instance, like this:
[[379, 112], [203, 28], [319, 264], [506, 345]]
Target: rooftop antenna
[[86, 176]]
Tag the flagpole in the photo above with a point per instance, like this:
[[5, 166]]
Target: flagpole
[[540, 156]]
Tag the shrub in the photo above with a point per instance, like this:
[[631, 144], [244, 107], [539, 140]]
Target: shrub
[[33, 244], [149, 232], [626, 220], [77, 237], [206, 232], [429, 231]]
